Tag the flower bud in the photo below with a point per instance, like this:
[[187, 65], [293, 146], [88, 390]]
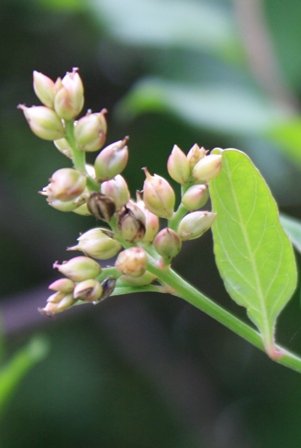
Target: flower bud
[[66, 184], [167, 243], [111, 160], [82, 210], [178, 166], [88, 290], [158, 195], [44, 88], [131, 223], [194, 224], [63, 146], [117, 190], [108, 286], [145, 279], [90, 131], [62, 285], [101, 206], [97, 243], [66, 206], [57, 303], [79, 268], [195, 154], [152, 223], [207, 168], [132, 262], [43, 122], [195, 197], [69, 98]]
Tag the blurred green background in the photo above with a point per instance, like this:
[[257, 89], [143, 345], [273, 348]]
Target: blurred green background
[[145, 371]]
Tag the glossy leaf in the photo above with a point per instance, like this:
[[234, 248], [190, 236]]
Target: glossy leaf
[[253, 254]]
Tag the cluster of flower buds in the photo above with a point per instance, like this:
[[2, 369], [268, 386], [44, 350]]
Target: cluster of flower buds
[[132, 232]]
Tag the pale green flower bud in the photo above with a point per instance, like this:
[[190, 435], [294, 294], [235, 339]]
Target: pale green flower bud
[[57, 303], [63, 146], [66, 206], [43, 122], [167, 243], [195, 197], [131, 223], [152, 223], [82, 210], [69, 98], [145, 279], [132, 262], [158, 196], [98, 243], [79, 268], [117, 190], [90, 131], [44, 88], [178, 166], [88, 290], [62, 285], [194, 224], [101, 206], [111, 160], [195, 154], [66, 184], [207, 168]]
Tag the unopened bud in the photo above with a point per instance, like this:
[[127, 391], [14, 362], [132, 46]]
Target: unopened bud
[[195, 197], [194, 224], [117, 190], [90, 131], [89, 290], [66, 206], [111, 160], [158, 195], [207, 168], [43, 122], [132, 262], [167, 243], [66, 184], [44, 88], [145, 279], [57, 303], [62, 285], [82, 210], [101, 206], [152, 223], [69, 99], [98, 243], [79, 268], [195, 154], [131, 223], [108, 286], [63, 146], [178, 166]]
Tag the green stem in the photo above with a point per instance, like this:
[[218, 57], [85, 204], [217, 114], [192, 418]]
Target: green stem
[[187, 292], [176, 218]]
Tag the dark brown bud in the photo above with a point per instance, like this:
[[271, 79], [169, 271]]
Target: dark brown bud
[[108, 286], [131, 224], [101, 206]]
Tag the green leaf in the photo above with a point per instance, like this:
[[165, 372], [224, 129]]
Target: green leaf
[[292, 227], [253, 254]]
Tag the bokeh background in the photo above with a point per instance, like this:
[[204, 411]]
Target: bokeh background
[[144, 371]]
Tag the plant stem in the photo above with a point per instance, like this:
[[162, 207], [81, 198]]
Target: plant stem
[[184, 290]]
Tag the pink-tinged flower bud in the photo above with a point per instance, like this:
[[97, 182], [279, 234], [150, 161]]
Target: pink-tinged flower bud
[[66, 184], [63, 146], [132, 262], [111, 160], [62, 285], [88, 290], [145, 279], [194, 224], [79, 268], [90, 131], [207, 168], [43, 122], [158, 196], [152, 223], [66, 206], [101, 206], [98, 243], [178, 166], [44, 88], [195, 197], [69, 98], [167, 243], [57, 303], [131, 223], [117, 190], [195, 154]]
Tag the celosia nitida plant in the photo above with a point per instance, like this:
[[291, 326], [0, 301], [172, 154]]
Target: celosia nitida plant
[[144, 235]]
